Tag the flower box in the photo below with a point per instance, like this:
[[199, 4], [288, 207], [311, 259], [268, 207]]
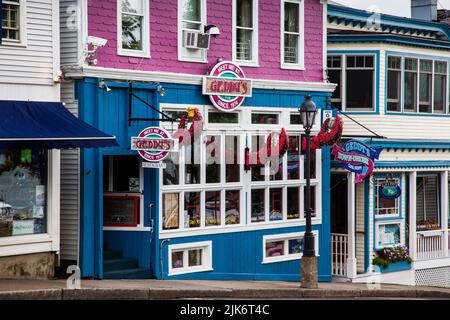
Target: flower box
[[396, 266]]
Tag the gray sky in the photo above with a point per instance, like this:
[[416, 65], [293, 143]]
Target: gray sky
[[394, 7]]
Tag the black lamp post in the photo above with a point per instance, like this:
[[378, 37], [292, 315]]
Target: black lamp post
[[308, 113]]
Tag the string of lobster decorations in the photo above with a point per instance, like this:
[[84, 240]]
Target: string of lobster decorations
[[277, 143]]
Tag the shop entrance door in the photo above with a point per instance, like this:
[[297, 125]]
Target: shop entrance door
[[339, 225]]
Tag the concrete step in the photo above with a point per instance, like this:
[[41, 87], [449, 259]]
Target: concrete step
[[109, 255], [135, 273], [119, 264]]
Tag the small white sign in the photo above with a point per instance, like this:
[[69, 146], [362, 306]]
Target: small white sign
[[22, 227], [154, 165], [327, 114]]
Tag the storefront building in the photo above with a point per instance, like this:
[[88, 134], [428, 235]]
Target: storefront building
[[392, 75], [34, 125], [205, 215]]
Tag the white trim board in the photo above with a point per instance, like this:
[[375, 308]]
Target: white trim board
[[183, 78]]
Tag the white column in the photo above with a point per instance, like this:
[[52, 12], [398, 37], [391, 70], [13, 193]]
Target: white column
[[412, 214], [444, 210], [351, 226]]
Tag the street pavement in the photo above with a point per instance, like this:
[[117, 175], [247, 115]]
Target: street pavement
[[207, 289]]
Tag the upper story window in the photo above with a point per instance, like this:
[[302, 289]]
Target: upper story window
[[292, 34], [355, 76], [133, 28], [191, 18], [424, 85], [245, 29], [14, 22]]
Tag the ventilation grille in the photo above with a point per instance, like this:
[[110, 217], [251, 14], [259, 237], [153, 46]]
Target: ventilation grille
[[433, 277]]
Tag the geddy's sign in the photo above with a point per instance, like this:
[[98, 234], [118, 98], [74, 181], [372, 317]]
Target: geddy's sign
[[154, 144], [356, 156]]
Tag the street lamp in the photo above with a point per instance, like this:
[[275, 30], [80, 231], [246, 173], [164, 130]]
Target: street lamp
[[308, 113]]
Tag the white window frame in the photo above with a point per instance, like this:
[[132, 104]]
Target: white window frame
[[145, 52], [205, 246], [378, 182], [286, 237], [255, 36], [244, 129], [22, 42], [301, 43], [44, 242], [438, 197], [400, 85], [191, 55], [340, 85], [140, 194]]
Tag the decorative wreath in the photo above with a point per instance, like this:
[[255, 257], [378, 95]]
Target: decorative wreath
[[329, 134], [276, 144], [194, 116]]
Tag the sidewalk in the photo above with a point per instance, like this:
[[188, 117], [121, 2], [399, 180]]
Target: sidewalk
[[184, 289]]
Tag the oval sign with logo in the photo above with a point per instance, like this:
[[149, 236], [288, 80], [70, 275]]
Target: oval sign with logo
[[390, 191], [226, 86], [153, 144]]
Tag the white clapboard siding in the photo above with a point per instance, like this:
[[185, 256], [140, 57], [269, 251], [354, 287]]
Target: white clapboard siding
[[69, 15], [359, 208], [69, 186], [33, 64]]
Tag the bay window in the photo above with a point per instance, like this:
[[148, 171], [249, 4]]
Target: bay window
[[133, 28], [245, 29], [394, 85], [292, 34], [425, 78], [440, 83], [355, 76], [410, 84]]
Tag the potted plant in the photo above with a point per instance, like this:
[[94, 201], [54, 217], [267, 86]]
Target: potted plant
[[392, 259]]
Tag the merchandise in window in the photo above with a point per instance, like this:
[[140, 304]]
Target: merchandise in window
[[274, 248], [177, 259], [232, 207], [258, 173], [192, 205], [212, 208], [190, 257], [23, 192], [283, 247], [276, 204], [192, 160], [258, 210], [213, 159], [232, 159], [171, 211], [244, 30], [293, 203], [293, 158]]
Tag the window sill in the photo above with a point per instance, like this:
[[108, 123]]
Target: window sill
[[137, 229], [192, 60], [131, 53], [243, 63], [188, 270], [284, 258], [10, 43], [288, 66]]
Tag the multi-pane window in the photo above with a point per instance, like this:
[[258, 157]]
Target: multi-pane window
[[292, 33], [355, 76], [284, 247], [11, 20], [334, 70], [246, 21], [410, 85], [385, 206], [192, 16], [394, 85], [440, 84], [134, 27], [190, 257], [424, 85]]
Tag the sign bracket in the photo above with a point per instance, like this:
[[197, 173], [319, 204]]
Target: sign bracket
[[131, 95]]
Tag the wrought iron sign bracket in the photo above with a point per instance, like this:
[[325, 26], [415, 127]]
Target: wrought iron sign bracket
[[131, 95]]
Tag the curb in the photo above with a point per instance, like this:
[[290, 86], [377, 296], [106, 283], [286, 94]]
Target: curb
[[161, 294]]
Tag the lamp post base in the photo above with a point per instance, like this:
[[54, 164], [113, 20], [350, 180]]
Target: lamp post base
[[309, 272]]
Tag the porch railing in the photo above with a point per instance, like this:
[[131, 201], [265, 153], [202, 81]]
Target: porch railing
[[339, 254], [430, 245]]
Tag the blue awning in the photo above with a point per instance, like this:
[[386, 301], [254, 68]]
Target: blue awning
[[49, 125]]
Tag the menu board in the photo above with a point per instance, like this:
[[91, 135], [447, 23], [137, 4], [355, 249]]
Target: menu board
[[120, 211]]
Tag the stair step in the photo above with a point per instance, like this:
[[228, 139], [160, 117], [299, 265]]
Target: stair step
[[119, 264], [109, 255], [137, 273]]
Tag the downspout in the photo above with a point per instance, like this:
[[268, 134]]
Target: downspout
[[160, 257]]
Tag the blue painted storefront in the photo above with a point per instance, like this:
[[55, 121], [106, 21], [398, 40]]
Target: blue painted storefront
[[108, 111]]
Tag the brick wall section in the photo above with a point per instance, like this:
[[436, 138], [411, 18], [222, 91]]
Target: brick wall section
[[102, 22]]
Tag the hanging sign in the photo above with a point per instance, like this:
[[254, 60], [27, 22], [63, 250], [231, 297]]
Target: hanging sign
[[357, 157], [226, 86], [389, 190], [154, 144]]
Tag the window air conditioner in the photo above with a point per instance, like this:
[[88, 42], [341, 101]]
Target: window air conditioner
[[195, 40]]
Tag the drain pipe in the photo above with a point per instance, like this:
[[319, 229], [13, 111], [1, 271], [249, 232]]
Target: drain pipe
[[160, 257]]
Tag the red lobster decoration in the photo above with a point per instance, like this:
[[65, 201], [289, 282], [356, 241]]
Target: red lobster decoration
[[185, 135], [329, 134], [273, 148]]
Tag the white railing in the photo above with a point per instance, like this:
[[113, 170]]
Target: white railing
[[430, 245], [339, 254]]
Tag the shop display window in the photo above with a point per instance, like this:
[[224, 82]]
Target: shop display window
[[213, 148], [171, 174], [388, 234], [177, 259], [293, 158], [23, 192], [276, 204], [385, 206], [313, 200], [274, 248], [293, 203], [232, 159], [192, 160], [265, 118], [212, 208], [190, 257], [171, 211], [232, 207], [285, 247], [192, 202], [258, 211]]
